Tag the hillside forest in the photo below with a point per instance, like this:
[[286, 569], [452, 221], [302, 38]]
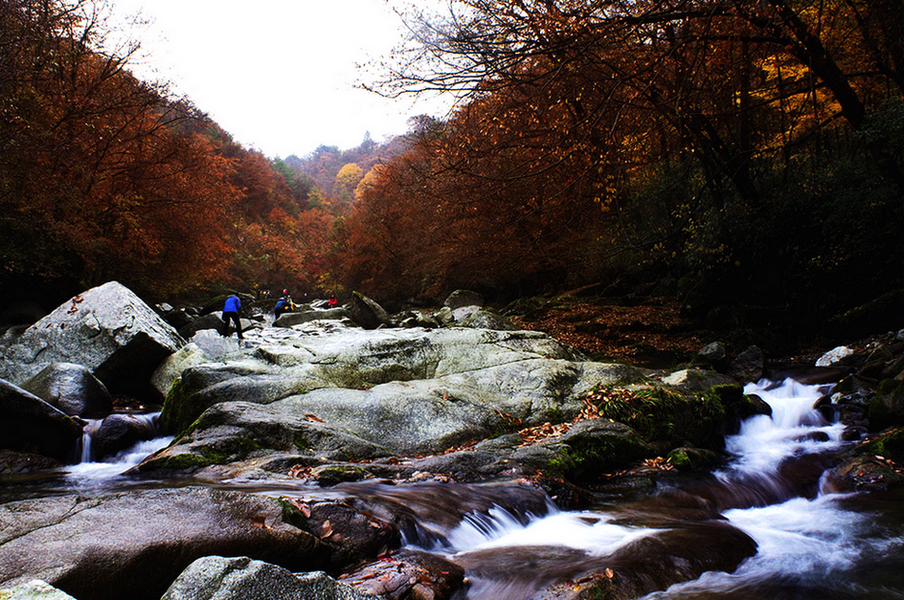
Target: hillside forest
[[726, 152]]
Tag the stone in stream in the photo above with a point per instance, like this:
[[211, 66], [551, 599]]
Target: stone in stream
[[118, 432], [648, 564], [31, 425], [134, 544], [71, 388], [240, 578]]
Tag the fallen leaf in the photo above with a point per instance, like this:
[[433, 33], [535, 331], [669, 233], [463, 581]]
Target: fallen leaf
[[326, 530]]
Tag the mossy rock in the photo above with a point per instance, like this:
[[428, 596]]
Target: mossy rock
[[864, 473], [225, 451], [184, 461], [178, 412], [693, 459], [595, 447], [887, 407], [333, 474], [890, 445], [665, 418]]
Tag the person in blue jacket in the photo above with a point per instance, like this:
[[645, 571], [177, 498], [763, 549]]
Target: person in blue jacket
[[231, 311], [283, 304]]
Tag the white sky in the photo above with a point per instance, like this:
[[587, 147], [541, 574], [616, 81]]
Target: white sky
[[279, 75]]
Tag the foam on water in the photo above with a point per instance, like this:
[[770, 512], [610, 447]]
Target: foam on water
[[793, 429], [93, 473], [589, 532]]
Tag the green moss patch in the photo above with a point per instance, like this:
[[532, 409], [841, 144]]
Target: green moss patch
[[663, 417]]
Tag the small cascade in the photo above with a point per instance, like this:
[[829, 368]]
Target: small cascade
[[781, 456], [90, 471], [809, 544], [84, 453]]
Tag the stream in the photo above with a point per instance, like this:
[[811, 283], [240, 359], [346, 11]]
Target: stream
[[811, 544]]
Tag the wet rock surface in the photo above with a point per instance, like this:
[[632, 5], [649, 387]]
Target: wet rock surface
[[135, 544]]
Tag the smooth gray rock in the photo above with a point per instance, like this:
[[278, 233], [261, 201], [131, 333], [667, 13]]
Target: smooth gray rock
[[134, 544], [71, 388], [173, 365], [356, 359], [108, 329], [29, 424], [748, 365], [840, 355], [297, 318], [34, 590], [241, 578], [460, 298]]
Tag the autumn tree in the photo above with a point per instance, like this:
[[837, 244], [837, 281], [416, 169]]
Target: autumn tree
[[699, 127], [98, 176]]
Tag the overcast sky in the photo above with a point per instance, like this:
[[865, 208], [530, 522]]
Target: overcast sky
[[279, 75]]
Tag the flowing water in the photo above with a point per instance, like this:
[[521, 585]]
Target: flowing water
[[810, 544]]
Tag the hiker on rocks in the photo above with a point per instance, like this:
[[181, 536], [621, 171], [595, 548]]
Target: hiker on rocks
[[332, 302], [283, 304], [231, 311]]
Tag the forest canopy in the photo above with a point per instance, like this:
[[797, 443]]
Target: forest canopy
[[751, 150], [719, 150]]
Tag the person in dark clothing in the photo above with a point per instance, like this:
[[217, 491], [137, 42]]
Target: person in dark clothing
[[283, 304], [231, 311]]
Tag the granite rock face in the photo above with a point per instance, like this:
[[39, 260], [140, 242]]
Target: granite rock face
[[107, 329]]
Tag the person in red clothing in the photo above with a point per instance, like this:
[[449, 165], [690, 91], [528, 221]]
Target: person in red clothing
[[332, 302]]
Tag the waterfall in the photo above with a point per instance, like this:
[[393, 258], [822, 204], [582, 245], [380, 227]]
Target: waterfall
[[90, 472], [809, 544], [818, 546]]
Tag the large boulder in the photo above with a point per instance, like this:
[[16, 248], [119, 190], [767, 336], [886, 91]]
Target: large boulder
[[748, 366], [134, 544], [31, 425], [71, 388], [108, 329], [356, 359], [240, 578], [366, 312]]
